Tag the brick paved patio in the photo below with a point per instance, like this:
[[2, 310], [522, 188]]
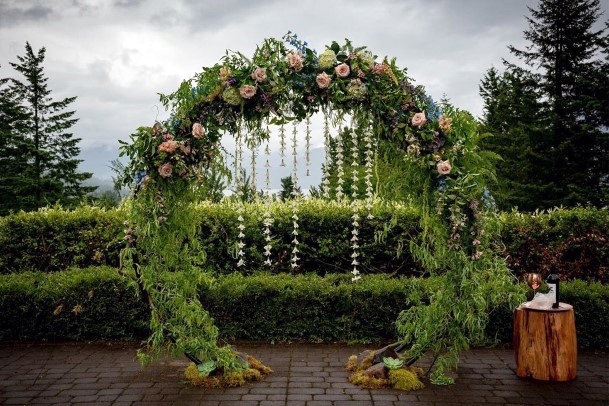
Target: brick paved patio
[[309, 375]]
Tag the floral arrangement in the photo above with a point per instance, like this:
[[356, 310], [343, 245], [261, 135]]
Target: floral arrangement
[[281, 85]]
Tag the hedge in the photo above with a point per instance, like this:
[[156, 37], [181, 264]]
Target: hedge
[[98, 303], [573, 242]]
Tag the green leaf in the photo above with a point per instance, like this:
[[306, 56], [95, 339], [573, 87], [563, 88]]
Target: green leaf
[[206, 367]]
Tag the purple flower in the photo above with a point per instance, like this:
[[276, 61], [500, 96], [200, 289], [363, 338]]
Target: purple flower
[[231, 81]]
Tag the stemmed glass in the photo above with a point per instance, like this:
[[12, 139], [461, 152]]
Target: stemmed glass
[[534, 281]]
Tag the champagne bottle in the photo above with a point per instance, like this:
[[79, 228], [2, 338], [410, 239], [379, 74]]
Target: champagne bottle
[[554, 293]]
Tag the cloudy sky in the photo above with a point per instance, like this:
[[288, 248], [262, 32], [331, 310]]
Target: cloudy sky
[[116, 55]]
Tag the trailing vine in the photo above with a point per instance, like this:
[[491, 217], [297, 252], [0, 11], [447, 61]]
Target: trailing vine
[[281, 85]]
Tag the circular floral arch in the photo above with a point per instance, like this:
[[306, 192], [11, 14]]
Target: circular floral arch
[[286, 81]]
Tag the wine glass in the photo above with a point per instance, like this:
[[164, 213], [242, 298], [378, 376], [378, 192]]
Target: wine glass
[[534, 281]]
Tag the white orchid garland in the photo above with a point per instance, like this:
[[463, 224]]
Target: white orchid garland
[[267, 220], [295, 199], [282, 144], [340, 170], [325, 186], [368, 177], [240, 206], [355, 217]]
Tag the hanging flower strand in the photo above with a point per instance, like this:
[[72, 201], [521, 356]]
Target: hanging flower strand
[[282, 144], [308, 146], [368, 177], [240, 206], [295, 233], [253, 182], [355, 206], [341, 169], [268, 220], [326, 173]]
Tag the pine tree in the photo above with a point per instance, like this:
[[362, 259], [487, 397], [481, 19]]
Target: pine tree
[[511, 114], [13, 159], [50, 149], [287, 189], [563, 59]]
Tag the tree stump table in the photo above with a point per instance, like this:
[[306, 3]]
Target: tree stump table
[[545, 343]]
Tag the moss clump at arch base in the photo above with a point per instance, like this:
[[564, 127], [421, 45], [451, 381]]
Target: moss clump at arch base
[[256, 372], [405, 378]]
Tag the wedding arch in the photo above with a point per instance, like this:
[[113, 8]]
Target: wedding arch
[[285, 83]]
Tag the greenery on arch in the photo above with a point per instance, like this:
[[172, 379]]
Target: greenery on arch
[[281, 84]]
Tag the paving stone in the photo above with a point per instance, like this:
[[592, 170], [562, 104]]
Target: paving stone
[[305, 375]]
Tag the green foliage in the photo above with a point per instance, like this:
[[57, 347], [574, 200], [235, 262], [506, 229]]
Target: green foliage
[[572, 242], [40, 152], [393, 363], [258, 307]]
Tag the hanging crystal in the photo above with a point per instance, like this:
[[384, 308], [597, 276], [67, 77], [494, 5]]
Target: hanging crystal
[[368, 177], [308, 146], [355, 205], [295, 200], [240, 205], [282, 144], [325, 186], [340, 166], [268, 220]]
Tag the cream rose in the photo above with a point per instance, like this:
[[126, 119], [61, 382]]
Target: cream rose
[[295, 60], [247, 91], [444, 167], [165, 170], [197, 130], [168, 146], [419, 119], [413, 149], [445, 123], [323, 80], [342, 70], [259, 74]]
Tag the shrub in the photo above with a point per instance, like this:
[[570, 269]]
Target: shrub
[[258, 307], [572, 242], [75, 304]]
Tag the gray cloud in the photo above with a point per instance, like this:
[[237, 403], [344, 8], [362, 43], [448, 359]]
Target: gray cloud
[[14, 13]]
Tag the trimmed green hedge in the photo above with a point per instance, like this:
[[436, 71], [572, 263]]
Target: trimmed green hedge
[[573, 242], [259, 307]]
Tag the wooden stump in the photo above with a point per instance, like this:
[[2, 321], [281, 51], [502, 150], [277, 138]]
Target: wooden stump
[[545, 343]]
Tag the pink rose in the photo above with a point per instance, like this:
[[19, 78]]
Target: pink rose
[[185, 149], [197, 130], [323, 80], [295, 60], [259, 74], [419, 119], [444, 167], [167, 137], [165, 170], [342, 70], [224, 72], [247, 91], [168, 146], [445, 123]]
